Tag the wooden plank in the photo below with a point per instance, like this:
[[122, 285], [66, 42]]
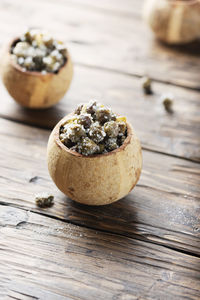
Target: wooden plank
[[105, 40], [176, 134], [43, 258], [127, 8], [163, 208]]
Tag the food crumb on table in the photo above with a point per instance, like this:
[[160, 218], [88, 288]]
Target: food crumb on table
[[44, 200], [167, 101]]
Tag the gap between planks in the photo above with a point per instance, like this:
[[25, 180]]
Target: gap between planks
[[49, 129], [167, 198], [178, 61], [135, 271], [134, 237], [110, 11], [136, 75]]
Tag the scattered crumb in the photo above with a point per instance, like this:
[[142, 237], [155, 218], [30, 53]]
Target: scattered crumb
[[44, 200], [146, 85], [167, 101]]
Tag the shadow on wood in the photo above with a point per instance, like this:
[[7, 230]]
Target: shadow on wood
[[120, 213], [191, 49]]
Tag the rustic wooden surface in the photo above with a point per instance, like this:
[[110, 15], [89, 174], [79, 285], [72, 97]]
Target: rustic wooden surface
[[146, 246], [87, 264]]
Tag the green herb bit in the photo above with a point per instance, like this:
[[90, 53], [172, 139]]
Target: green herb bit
[[146, 85], [167, 101], [44, 200]]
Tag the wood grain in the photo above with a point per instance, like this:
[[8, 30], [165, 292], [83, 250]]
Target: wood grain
[[127, 8], [162, 209], [176, 134], [42, 258], [100, 38], [143, 247]]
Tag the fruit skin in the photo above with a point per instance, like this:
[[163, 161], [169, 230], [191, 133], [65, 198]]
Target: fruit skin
[[173, 21], [98, 179], [34, 89]]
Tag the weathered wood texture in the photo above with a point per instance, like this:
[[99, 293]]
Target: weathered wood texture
[[176, 133], [164, 207], [99, 35], [42, 258], [145, 246]]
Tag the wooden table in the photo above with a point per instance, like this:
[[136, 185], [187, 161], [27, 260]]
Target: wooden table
[[145, 246]]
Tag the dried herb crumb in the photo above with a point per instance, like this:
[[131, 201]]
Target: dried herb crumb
[[146, 85], [44, 200], [167, 101]]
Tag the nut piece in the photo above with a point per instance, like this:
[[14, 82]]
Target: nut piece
[[111, 144], [96, 132], [75, 132], [111, 128], [121, 140], [78, 109], [44, 200], [87, 147], [91, 107], [103, 115], [85, 120]]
